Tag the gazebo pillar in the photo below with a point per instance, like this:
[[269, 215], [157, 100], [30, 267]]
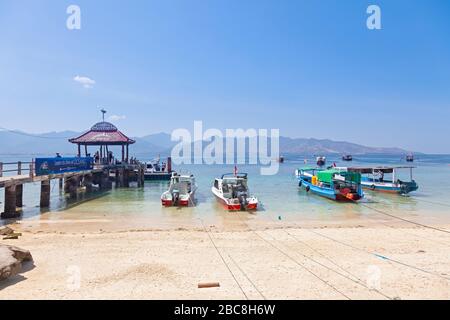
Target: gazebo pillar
[[123, 153], [127, 154], [79, 150]]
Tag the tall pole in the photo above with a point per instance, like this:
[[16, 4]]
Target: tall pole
[[103, 111]]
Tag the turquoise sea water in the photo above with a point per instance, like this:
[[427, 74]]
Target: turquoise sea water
[[279, 195]]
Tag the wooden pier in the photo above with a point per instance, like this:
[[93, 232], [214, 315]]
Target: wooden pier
[[19, 174]]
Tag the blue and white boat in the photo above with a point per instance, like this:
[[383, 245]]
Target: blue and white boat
[[385, 179], [333, 184]]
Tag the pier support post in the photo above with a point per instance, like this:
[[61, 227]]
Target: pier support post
[[87, 182], [105, 184], [126, 177], [140, 177], [73, 186], [61, 183], [117, 178], [10, 203], [122, 177], [19, 195], [45, 194], [66, 185]]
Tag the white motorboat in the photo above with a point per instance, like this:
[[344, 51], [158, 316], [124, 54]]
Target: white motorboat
[[181, 191], [232, 191]]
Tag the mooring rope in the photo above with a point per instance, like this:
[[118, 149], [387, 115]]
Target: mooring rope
[[247, 277], [403, 219], [302, 266], [295, 261], [223, 259], [357, 281], [376, 254], [432, 202]]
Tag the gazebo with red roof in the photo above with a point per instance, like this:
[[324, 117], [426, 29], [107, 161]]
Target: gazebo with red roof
[[103, 134]]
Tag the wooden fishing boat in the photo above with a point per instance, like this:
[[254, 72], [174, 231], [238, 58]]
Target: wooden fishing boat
[[181, 191], [232, 191], [386, 179], [331, 183]]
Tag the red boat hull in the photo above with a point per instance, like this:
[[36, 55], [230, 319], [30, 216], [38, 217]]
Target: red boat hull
[[235, 207]]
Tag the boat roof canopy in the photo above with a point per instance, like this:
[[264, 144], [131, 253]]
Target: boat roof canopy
[[328, 175], [232, 175], [309, 168], [383, 169]]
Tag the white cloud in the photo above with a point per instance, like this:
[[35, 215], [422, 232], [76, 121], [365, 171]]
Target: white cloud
[[86, 82], [116, 117]]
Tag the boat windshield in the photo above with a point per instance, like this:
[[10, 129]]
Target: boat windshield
[[236, 184]]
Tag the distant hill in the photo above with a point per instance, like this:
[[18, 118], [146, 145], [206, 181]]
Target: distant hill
[[326, 146], [22, 143]]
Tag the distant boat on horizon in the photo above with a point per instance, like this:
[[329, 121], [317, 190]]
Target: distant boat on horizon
[[347, 157], [321, 161]]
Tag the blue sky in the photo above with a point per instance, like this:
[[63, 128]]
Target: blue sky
[[309, 68]]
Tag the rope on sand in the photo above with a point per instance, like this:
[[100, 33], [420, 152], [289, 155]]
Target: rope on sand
[[249, 280], [302, 266], [378, 255], [403, 219], [295, 261], [357, 281], [223, 260]]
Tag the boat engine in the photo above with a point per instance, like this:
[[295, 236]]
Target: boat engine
[[243, 200], [175, 197]]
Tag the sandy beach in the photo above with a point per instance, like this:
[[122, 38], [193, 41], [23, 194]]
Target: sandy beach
[[272, 261]]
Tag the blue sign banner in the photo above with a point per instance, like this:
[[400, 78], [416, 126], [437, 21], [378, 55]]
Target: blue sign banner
[[45, 166]]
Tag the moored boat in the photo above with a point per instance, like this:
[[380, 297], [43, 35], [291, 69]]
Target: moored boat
[[232, 191], [385, 179], [321, 160], [181, 191], [347, 157], [410, 157], [331, 183], [155, 170]]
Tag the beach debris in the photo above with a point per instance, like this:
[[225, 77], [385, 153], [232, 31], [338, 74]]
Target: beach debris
[[12, 236], [11, 259], [208, 285], [4, 231], [9, 233], [279, 217]]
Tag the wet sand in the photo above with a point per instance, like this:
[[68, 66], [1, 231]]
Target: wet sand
[[91, 259]]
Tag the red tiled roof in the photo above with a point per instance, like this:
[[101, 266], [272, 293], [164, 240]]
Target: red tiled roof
[[103, 133]]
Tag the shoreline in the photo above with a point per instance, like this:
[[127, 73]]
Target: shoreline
[[285, 262]]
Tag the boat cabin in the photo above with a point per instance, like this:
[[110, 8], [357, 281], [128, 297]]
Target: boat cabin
[[230, 185], [386, 179], [383, 174]]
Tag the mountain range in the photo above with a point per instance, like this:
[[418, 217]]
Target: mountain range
[[22, 143]]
